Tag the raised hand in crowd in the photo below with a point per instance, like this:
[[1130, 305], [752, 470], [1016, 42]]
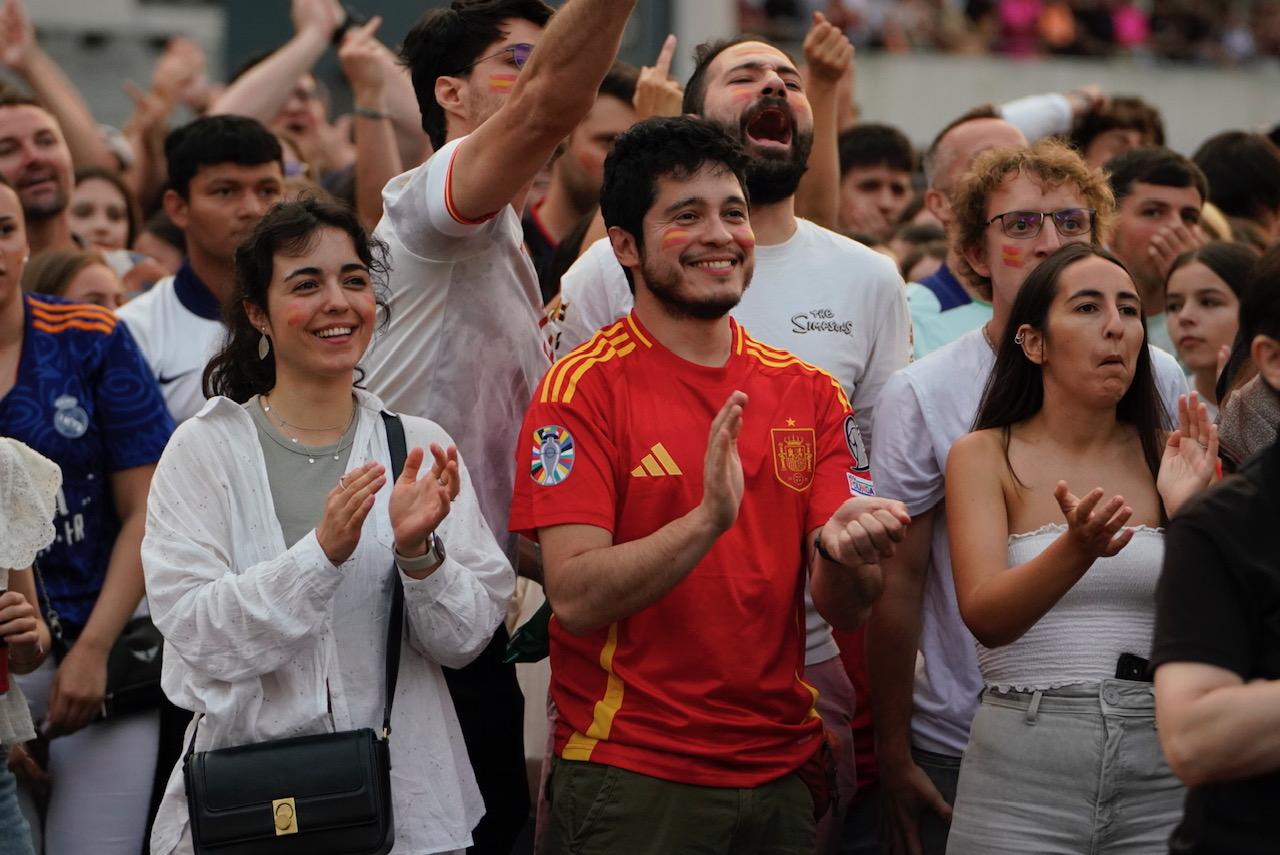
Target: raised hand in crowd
[[419, 505], [345, 509], [1172, 241], [377, 155], [828, 55], [21, 53], [1190, 457], [656, 93]]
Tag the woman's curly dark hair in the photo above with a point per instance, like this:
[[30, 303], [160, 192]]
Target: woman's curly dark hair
[[291, 228]]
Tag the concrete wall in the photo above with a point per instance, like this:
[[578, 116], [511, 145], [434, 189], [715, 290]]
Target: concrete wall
[[920, 94]]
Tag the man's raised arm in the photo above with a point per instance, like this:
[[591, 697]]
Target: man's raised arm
[[553, 93]]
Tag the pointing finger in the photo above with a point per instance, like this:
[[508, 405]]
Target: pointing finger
[[665, 55]]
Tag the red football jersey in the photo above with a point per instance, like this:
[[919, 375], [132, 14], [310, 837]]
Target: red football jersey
[[702, 687]]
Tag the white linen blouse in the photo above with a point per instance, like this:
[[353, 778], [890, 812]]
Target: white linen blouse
[[264, 642]]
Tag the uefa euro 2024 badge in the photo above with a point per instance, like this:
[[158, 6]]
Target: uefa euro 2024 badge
[[553, 453], [69, 418]]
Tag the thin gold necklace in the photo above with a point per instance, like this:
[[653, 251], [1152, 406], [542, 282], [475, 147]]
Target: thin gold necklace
[[266, 408]]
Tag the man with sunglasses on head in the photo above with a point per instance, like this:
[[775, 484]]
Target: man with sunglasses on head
[[1014, 209], [499, 84]]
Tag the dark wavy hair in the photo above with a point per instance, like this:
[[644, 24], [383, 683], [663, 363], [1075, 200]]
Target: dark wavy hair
[[1015, 389], [291, 228]]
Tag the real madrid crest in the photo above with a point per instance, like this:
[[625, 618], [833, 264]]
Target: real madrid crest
[[69, 418], [794, 450], [553, 454]]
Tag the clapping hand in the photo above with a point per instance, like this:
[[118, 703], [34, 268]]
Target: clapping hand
[[864, 530], [1190, 458], [17, 36], [418, 505], [722, 480], [345, 510], [1096, 532]]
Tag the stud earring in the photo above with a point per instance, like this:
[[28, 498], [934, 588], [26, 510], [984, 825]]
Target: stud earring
[[264, 345]]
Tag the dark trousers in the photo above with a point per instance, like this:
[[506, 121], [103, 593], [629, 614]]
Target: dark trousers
[[490, 711]]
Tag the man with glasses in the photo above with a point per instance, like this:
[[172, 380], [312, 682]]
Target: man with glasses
[[464, 346], [1015, 208]]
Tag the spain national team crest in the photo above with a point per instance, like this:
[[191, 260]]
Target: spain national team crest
[[553, 453], [793, 456]]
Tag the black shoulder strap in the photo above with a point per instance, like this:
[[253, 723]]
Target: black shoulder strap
[[395, 626]]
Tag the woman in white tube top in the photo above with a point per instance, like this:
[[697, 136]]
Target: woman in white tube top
[[1055, 505]]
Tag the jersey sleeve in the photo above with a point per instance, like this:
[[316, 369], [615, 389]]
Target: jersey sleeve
[[134, 420], [419, 207], [906, 467], [842, 468], [565, 463]]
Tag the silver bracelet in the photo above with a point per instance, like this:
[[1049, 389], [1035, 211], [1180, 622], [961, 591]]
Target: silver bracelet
[[368, 113]]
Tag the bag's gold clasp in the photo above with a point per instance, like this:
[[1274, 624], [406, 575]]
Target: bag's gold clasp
[[286, 816]]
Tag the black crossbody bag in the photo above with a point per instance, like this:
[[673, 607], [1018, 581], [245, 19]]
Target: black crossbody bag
[[328, 794]]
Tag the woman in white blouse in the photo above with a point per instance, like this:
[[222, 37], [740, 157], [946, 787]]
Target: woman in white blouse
[[1057, 589], [272, 538]]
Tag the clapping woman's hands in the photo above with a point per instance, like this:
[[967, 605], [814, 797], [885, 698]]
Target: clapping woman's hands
[[345, 510], [1190, 458], [418, 505], [1096, 532]]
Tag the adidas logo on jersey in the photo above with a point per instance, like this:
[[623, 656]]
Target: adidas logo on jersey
[[656, 464]]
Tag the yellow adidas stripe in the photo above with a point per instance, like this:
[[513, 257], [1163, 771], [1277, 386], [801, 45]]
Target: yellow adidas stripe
[[580, 745]]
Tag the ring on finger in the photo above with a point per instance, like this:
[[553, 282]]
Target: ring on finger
[[342, 481], [440, 481]]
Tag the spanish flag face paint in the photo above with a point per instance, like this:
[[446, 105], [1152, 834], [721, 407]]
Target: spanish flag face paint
[[501, 82], [675, 238], [1013, 256]]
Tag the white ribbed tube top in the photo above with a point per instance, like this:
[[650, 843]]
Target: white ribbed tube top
[[1110, 611]]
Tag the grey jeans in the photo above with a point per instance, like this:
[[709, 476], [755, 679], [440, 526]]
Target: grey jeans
[[1070, 771]]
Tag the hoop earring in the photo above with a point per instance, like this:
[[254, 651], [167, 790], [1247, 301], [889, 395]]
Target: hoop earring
[[1017, 339], [264, 346]]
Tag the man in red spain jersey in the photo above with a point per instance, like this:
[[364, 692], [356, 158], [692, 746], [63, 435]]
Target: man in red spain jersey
[[682, 478]]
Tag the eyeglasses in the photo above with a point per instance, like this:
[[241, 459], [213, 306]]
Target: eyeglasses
[[1024, 225], [519, 56]]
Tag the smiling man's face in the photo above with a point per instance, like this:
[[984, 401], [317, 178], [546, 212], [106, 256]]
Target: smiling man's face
[[35, 158], [756, 93]]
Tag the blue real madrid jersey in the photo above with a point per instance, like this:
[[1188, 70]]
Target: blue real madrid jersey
[[85, 399]]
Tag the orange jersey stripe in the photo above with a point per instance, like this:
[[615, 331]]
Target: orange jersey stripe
[[775, 361], [80, 311], [63, 326], [597, 344]]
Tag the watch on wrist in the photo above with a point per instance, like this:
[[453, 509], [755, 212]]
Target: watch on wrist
[[433, 557], [435, 550]]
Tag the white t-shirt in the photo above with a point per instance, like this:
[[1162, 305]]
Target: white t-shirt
[[178, 326], [923, 410], [464, 347], [825, 298]]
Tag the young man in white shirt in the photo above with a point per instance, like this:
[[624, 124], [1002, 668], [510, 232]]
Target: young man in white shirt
[[225, 173], [465, 346], [819, 295], [1016, 207]]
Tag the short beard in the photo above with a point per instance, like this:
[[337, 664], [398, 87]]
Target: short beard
[[665, 286], [772, 177], [47, 210]]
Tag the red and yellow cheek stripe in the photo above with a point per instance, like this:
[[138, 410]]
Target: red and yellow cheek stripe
[[676, 237], [501, 82], [1012, 256]]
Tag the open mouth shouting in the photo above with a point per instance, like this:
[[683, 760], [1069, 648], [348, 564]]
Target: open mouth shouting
[[770, 125]]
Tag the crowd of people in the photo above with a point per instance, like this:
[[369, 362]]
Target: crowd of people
[[881, 500], [1206, 32]]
